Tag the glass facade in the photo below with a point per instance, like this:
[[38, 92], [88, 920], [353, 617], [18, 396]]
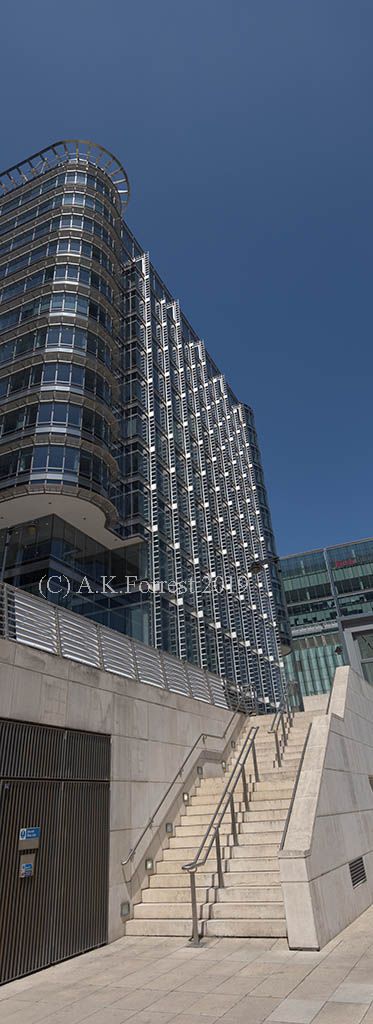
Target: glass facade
[[329, 593], [110, 401]]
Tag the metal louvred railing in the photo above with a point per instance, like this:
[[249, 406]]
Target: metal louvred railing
[[33, 621]]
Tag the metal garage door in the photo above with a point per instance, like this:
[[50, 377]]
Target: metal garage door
[[54, 845]]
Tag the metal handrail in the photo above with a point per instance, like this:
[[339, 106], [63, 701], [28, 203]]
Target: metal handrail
[[282, 715], [295, 787], [227, 798], [268, 707], [203, 736]]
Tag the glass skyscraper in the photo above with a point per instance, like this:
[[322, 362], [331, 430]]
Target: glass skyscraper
[[329, 595], [123, 451]]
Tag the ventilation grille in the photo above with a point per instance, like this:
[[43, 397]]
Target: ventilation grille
[[357, 872]]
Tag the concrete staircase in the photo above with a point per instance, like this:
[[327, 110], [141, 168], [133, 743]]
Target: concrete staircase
[[250, 903]]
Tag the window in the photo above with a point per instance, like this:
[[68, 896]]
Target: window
[[56, 453], [77, 376], [49, 373], [31, 414], [8, 465], [40, 458], [13, 421], [60, 412], [45, 412], [19, 381], [72, 460], [36, 374], [25, 460], [75, 415], [63, 373]]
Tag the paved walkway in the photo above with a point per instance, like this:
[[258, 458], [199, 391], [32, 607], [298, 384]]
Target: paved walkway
[[233, 981]]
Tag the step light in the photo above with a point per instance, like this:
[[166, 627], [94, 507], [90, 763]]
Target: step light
[[149, 864], [199, 769], [224, 765], [125, 909], [186, 798], [169, 827]]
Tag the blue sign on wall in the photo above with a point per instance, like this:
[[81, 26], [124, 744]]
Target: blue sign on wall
[[26, 870], [29, 833]]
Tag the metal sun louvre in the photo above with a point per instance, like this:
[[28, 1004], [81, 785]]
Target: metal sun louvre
[[61, 153], [33, 621]]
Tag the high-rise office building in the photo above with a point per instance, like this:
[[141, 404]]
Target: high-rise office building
[[123, 451], [329, 595]]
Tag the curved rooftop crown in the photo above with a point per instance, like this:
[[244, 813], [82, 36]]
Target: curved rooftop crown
[[60, 153]]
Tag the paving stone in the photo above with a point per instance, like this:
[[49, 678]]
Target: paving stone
[[352, 992], [250, 1010], [296, 1011], [341, 1013]]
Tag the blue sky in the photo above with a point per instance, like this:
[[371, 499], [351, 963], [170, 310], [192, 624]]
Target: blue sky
[[246, 132]]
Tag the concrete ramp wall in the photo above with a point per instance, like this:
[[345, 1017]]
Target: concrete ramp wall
[[152, 731], [331, 823]]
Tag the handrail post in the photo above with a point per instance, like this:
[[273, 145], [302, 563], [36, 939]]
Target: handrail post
[[290, 712], [218, 861], [283, 728], [234, 825], [245, 791], [195, 937], [278, 749], [255, 761]]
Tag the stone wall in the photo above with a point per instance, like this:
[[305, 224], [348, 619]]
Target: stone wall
[[152, 731], [317, 702], [332, 819]]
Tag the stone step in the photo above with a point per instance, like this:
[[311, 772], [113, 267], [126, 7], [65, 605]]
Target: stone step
[[254, 815], [276, 774], [253, 929], [193, 842], [249, 893], [270, 757], [210, 808], [245, 861], [165, 867], [274, 785], [182, 855], [202, 819], [179, 879], [176, 894], [279, 789], [208, 800], [259, 828], [159, 927], [247, 877], [254, 839], [246, 911], [174, 911], [268, 805], [242, 856], [274, 777], [197, 831], [265, 743], [193, 810], [276, 793]]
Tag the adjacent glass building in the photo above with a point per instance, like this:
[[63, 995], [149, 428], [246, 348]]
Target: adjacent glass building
[[123, 451], [329, 596]]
